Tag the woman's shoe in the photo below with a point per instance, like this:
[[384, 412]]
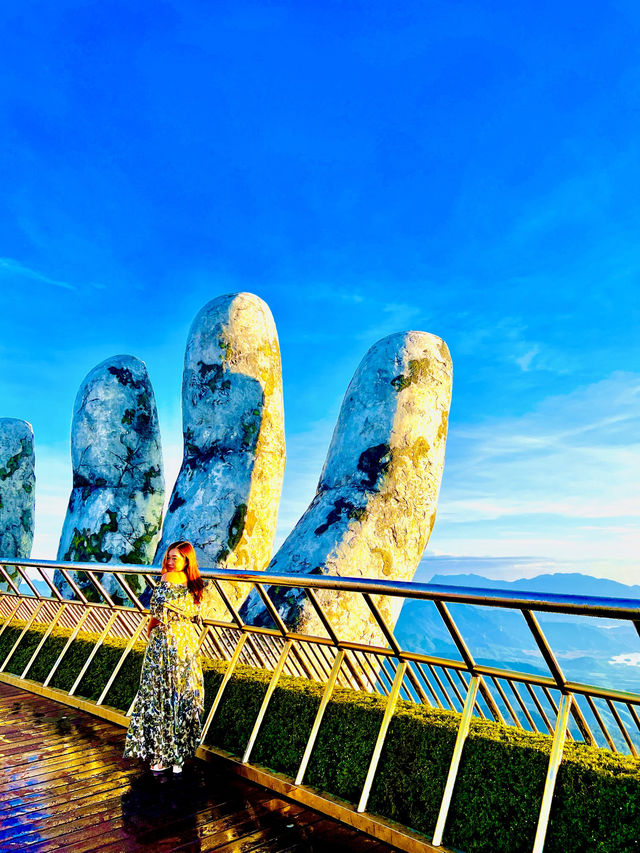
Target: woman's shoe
[[158, 768], [177, 768]]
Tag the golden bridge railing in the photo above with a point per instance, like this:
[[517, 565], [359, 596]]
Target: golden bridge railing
[[548, 703]]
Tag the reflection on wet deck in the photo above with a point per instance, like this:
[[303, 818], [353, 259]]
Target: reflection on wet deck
[[64, 786]]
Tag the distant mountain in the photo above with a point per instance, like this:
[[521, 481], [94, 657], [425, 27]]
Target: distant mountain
[[584, 646], [562, 583]]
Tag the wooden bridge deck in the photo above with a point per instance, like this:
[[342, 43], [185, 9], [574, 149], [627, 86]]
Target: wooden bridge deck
[[64, 786]]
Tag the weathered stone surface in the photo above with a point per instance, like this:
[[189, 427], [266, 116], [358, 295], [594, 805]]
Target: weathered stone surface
[[17, 490], [375, 505], [225, 500], [115, 508]]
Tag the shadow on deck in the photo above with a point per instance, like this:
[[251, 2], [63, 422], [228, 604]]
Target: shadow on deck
[[65, 786]]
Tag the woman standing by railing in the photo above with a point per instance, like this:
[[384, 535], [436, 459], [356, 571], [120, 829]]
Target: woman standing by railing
[[165, 725]]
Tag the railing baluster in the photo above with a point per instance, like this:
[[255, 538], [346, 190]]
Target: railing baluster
[[600, 722], [524, 708], [225, 680], [622, 727], [28, 624], [11, 615], [503, 696], [386, 719], [539, 707], [326, 695], [83, 618], [44, 639], [555, 758], [123, 657], [265, 702], [93, 652], [463, 730]]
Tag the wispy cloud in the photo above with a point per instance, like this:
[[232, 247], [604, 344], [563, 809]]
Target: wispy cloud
[[525, 360], [560, 481], [11, 267]]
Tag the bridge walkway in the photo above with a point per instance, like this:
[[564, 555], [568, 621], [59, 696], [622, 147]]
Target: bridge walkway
[[65, 786]]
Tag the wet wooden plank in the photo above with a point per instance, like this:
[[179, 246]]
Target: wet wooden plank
[[65, 787]]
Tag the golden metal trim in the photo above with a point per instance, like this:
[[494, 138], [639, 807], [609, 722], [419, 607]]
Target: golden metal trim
[[386, 831], [44, 639], [28, 624], [463, 730], [93, 653], [225, 680], [83, 618], [326, 695], [555, 758], [388, 712], [265, 702], [104, 711], [9, 618], [625, 734], [123, 657]]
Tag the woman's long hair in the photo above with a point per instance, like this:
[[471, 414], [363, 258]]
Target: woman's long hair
[[195, 584]]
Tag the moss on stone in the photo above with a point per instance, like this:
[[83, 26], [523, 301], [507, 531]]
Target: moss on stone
[[212, 375], [85, 485], [87, 547], [341, 507], [250, 430], [236, 526], [149, 475], [124, 376], [138, 553], [13, 462], [420, 369], [374, 464]]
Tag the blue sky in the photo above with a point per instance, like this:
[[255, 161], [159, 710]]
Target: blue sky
[[466, 169]]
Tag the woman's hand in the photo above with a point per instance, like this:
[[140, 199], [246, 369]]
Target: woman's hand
[[153, 622]]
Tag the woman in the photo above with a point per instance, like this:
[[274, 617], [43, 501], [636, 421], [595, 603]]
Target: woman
[[165, 724]]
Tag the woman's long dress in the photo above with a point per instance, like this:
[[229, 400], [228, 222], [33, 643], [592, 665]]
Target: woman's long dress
[[165, 724]]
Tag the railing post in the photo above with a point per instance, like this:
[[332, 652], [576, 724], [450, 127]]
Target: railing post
[[43, 640], [70, 639], [326, 695], [265, 702], [388, 713], [463, 730], [28, 624], [94, 651], [123, 657], [225, 680], [555, 758]]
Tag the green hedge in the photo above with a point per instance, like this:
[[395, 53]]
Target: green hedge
[[497, 796]]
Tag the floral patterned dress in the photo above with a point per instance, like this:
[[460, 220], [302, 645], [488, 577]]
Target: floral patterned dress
[[165, 724]]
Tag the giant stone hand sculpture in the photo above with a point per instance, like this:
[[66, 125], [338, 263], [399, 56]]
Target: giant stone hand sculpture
[[17, 495], [115, 507], [225, 500], [375, 503]]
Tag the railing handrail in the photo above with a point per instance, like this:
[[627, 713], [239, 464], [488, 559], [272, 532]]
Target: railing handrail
[[587, 605]]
